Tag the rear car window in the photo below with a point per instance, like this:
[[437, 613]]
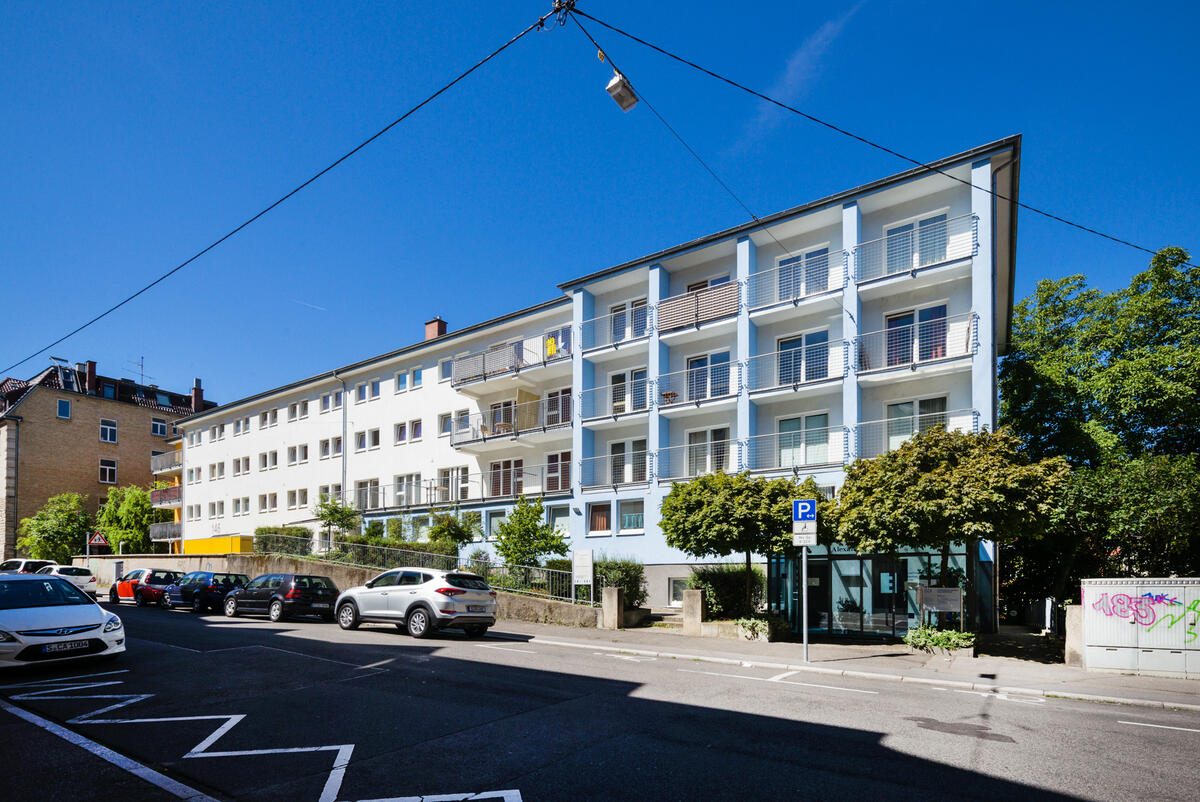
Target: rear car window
[[10, 565], [161, 577], [229, 580], [467, 582], [36, 565], [72, 570], [314, 582]]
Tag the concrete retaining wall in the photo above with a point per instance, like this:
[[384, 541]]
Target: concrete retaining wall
[[1073, 648]]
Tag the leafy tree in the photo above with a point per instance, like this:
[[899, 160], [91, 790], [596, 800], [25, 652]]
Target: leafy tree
[[333, 514], [373, 529], [525, 535], [58, 530], [457, 529], [125, 518], [720, 514]]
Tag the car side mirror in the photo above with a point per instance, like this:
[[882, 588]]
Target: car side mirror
[[370, 583]]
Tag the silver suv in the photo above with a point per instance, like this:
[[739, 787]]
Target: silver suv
[[421, 601]]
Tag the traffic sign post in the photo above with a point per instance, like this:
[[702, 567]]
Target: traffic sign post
[[96, 539], [804, 534]]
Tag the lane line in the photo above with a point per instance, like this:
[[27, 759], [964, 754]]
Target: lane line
[[1158, 726], [173, 787], [784, 675], [505, 648], [778, 682]]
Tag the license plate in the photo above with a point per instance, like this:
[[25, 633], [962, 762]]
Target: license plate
[[65, 646], [320, 604], [476, 608]]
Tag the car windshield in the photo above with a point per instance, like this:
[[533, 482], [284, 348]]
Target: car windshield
[[314, 583], [229, 580], [10, 565], [49, 592], [72, 570], [467, 581]]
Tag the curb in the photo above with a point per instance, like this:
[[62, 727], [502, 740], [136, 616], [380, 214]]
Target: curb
[[867, 675]]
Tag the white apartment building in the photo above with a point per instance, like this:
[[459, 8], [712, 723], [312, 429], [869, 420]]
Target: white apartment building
[[832, 331]]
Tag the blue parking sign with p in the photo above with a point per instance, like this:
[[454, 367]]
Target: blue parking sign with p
[[804, 509]]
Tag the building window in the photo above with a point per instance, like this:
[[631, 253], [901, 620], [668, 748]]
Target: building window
[[220, 431], [360, 441], [337, 446], [108, 390], [291, 455], [376, 386], [325, 402], [414, 429], [407, 489], [366, 494], [360, 393], [401, 433], [293, 411], [416, 378], [303, 409], [64, 409], [237, 507], [559, 518], [291, 497], [401, 381], [337, 399], [108, 431], [268, 418], [323, 449], [708, 451], [108, 471], [302, 497], [452, 485], [445, 370], [444, 424], [494, 519], [558, 471], [558, 407], [599, 519], [462, 420], [237, 429], [631, 517], [373, 439], [216, 470]]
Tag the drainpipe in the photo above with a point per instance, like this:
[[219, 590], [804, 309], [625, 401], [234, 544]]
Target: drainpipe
[[345, 444], [16, 419]]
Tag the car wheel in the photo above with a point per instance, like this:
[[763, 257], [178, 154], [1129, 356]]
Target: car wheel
[[418, 623], [165, 601], [347, 616], [231, 609], [113, 598], [275, 611], [138, 600], [475, 630], [197, 605]]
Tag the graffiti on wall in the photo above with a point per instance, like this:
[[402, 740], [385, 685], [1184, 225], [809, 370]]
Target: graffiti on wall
[[1151, 610]]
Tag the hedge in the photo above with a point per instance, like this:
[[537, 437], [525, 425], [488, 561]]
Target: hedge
[[725, 589], [611, 572], [283, 540]]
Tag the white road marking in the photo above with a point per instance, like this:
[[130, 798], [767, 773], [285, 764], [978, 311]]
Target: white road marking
[[784, 675], [1025, 700], [779, 681], [494, 796], [1158, 726], [176, 789], [633, 658], [505, 648]]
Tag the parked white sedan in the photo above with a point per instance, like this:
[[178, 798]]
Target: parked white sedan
[[81, 578], [46, 618]]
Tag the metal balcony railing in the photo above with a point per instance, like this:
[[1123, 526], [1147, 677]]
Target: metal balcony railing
[[169, 461], [171, 530], [513, 420], [797, 278], [540, 349], [696, 459], [699, 384], [616, 399], [615, 469], [917, 245], [879, 437], [166, 496], [916, 343], [700, 306], [782, 451], [797, 366], [613, 329], [498, 483]]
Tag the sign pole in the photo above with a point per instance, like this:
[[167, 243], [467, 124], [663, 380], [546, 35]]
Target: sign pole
[[804, 593]]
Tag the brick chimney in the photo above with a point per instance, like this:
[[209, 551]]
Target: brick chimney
[[197, 397], [91, 378], [435, 328]]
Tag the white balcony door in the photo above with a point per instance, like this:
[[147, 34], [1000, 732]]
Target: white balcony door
[[804, 441]]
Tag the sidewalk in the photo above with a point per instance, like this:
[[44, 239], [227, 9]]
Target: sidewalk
[[889, 662]]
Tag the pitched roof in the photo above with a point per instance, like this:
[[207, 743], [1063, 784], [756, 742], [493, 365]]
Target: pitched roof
[[13, 391]]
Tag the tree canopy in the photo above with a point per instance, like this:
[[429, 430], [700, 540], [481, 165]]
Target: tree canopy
[[525, 536], [58, 530], [333, 514], [125, 518]]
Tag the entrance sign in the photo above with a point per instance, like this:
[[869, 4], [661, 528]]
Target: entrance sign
[[581, 567], [804, 534], [940, 600]]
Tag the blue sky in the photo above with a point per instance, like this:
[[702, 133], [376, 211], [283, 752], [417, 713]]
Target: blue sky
[[134, 134]]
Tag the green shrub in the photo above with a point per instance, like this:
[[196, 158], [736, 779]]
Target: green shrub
[[283, 540], [625, 573], [558, 564], [762, 626], [395, 528], [374, 529], [930, 638], [725, 589]]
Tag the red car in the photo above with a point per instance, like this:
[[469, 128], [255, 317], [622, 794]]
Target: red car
[[143, 586]]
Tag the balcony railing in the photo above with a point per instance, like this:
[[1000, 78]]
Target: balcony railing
[[513, 420], [615, 469], [881, 436], [169, 461], [498, 483], [171, 530], [916, 343], [541, 349], [700, 306], [616, 328], [699, 384], [917, 245], [783, 451], [797, 278], [697, 459], [616, 399], [166, 496], [794, 367]]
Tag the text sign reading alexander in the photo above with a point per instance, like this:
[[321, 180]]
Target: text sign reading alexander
[[581, 567]]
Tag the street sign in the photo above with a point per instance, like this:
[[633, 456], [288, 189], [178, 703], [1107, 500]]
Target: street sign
[[804, 509], [804, 539], [804, 527], [943, 600], [581, 567], [97, 539], [804, 535]]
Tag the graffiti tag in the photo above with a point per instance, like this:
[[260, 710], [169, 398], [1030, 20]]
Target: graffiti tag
[[1141, 609]]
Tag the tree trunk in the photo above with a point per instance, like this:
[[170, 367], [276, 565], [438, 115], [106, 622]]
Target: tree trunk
[[944, 580], [749, 609]]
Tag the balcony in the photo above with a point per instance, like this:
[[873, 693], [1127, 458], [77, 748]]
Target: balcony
[[514, 357], [796, 368], [166, 497], [908, 248], [615, 470], [913, 345], [617, 329], [710, 386], [879, 437], [171, 530], [616, 402], [695, 459], [795, 451], [170, 462], [500, 483], [532, 421], [694, 309], [796, 279]]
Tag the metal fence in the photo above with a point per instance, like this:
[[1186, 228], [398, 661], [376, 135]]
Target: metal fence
[[511, 420], [695, 459], [699, 306], [916, 343], [539, 349], [698, 384], [529, 580], [797, 277], [615, 469], [508, 479], [616, 399], [881, 436], [916, 245], [615, 328], [793, 367], [166, 461], [170, 530]]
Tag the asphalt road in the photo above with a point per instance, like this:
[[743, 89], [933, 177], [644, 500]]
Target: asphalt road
[[246, 709]]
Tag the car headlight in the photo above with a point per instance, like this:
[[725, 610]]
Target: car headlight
[[6, 638], [112, 624]]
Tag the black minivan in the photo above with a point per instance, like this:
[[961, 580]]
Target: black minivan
[[282, 595]]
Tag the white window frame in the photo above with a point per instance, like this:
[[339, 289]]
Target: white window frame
[[105, 425], [401, 380], [400, 433], [730, 446], [416, 379], [445, 424], [158, 427], [416, 430], [104, 468], [62, 401], [618, 523], [587, 520], [449, 373]]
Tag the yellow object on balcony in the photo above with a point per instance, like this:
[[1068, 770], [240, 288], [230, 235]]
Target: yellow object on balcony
[[551, 347]]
